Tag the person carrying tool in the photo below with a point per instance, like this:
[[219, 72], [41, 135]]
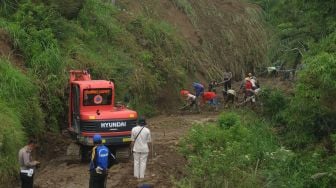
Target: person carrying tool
[[140, 137], [101, 160], [27, 165], [190, 100], [227, 76]]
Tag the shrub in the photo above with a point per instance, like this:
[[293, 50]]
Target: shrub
[[249, 155], [311, 112], [274, 102], [228, 119], [219, 157]]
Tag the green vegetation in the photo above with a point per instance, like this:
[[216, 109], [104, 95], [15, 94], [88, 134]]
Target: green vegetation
[[308, 29], [11, 138], [20, 114], [249, 154], [297, 26]]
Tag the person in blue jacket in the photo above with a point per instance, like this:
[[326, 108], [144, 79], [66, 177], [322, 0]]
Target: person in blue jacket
[[199, 89], [101, 160]]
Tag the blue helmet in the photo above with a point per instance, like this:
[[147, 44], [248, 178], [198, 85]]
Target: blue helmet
[[97, 139]]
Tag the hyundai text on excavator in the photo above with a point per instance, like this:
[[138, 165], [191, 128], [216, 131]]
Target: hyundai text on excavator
[[92, 110]]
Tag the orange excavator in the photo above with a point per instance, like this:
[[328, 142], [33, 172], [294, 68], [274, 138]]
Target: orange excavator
[[92, 110]]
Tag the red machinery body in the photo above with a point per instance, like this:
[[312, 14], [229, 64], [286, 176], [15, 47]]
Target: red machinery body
[[92, 110]]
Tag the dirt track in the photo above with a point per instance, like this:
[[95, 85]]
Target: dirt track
[[164, 166]]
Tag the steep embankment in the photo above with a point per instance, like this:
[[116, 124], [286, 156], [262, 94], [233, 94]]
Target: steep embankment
[[223, 35]]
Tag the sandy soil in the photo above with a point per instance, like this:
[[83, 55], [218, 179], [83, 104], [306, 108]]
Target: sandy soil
[[165, 163]]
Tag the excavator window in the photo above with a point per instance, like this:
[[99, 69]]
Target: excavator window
[[97, 97]]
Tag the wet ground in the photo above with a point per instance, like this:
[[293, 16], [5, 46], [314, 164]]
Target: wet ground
[[165, 164]]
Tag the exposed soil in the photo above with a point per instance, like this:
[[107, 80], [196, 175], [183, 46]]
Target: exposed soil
[[166, 10], [7, 51], [165, 163]]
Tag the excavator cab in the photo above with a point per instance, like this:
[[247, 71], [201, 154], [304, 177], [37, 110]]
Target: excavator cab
[[92, 110]]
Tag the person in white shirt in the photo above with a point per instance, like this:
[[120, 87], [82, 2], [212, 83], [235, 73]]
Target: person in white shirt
[[140, 138]]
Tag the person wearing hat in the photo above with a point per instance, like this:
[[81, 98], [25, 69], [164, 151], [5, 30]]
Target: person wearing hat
[[190, 99], [101, 160], [27, 165], [140, 138]]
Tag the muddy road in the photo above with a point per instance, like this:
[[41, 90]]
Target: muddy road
[[165, 164]]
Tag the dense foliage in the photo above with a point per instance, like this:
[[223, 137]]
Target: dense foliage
[[297, 25], [20, 114], [248, 154], [306, 31]]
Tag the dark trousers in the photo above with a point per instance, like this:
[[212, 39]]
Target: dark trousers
[[26, 181], [97, 180], [227, 86]]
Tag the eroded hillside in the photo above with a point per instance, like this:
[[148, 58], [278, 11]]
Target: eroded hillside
[[222, 35]]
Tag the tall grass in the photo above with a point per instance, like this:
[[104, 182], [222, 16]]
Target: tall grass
[[11, 139], [20, 93], [141, 54], [20, 115]]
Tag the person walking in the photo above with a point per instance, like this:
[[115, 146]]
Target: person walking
[[140, 137], [101, 160], [27, 165]]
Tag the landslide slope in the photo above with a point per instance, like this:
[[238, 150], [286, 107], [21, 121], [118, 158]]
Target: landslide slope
[[223, 35]]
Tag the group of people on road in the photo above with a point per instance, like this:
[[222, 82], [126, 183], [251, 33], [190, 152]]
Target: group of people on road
[[200, 98], [101, 158], [250, 87]]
